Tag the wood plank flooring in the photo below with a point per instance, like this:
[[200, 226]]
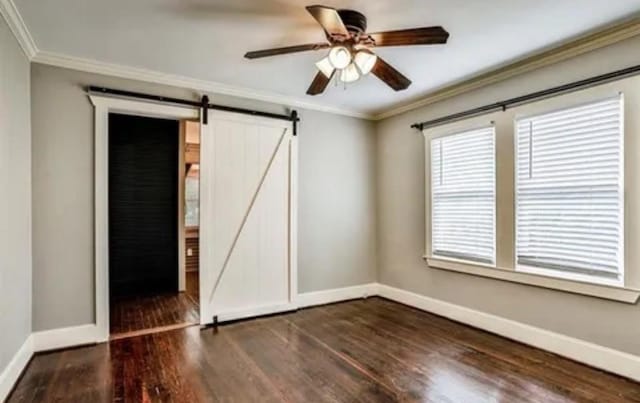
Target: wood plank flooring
[[134, 315], [370, 350], [193, 286]]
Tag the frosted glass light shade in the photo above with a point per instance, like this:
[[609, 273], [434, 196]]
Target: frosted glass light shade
[[365, 61], [325, 67], [340, 57], [349, 74]]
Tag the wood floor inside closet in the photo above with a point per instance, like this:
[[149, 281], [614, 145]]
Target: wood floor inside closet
[[134, 316]]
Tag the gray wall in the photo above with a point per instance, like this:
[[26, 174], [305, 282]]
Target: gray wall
[[15, 197], [401, 218], [336, 195], [337, 202], [361, 205]]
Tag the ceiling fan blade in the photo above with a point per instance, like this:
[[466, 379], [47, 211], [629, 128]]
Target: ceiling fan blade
[[287, 49], [392, 77], [416, 36], [330, 20], [319, 83]]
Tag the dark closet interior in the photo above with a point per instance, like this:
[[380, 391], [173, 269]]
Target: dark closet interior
[[143, 205]]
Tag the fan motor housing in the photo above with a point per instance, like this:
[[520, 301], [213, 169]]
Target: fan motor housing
[[354, 21]]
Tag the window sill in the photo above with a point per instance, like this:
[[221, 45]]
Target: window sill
[[621, 294]]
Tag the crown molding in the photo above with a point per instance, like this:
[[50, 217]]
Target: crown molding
[[19, 29], [583, 44], [568, 50], [139, 74]]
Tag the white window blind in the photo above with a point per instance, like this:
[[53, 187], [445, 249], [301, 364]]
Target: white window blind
[[569, 190], [463, 195]]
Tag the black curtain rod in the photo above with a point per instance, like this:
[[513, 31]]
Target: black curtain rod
[[293, 117], [534, 96]]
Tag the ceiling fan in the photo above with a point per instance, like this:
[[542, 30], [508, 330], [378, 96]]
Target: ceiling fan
[[350, 56]]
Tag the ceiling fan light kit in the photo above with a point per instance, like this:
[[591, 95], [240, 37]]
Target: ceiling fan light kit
[[350, 56], [350, 67], [325, 67], [340, 57], [349, 74], [365, 60]]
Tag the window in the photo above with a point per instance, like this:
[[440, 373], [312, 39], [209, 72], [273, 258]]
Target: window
[[192, 197], [463, 195], [569, 192]]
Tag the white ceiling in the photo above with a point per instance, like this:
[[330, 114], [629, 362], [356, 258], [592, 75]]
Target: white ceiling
[[206, 39]]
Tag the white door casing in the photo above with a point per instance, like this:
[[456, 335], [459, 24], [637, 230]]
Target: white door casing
[[103, 106], [247, 217]]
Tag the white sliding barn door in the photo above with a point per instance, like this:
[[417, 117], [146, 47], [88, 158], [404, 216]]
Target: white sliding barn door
[[248, 217]]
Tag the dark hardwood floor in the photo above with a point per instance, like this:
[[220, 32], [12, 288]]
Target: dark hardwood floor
[[193, 286], [369, 350], [135, 315]]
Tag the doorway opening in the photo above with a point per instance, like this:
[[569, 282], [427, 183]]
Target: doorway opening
[[190, 245], [153, 219]]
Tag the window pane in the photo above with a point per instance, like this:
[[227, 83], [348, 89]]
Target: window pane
[[569, 190], [463, 195], [192, 201]]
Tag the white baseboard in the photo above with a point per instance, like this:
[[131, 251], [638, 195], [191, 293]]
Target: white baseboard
[[89, 334], [65, 337], [608, 359], [9, 376], [605, 358], [303, 300], [336, 295]]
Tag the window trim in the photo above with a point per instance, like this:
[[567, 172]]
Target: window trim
[[605, 291], [559, 274], [505, 197], [461, 130]]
